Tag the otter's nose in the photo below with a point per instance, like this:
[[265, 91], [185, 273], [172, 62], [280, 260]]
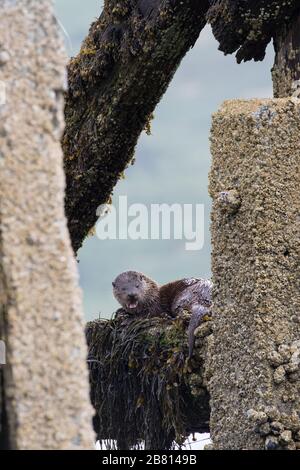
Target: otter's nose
[[132, 297]]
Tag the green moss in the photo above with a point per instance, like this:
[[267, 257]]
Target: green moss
[[87, 52]]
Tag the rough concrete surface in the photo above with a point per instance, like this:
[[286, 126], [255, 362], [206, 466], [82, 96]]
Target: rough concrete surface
[[255, 383], [46, 381]]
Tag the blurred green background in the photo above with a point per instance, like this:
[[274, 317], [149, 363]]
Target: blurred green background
[[172, 164]]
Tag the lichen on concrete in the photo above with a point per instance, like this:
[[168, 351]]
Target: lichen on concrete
[[254, 371], [46, 378]]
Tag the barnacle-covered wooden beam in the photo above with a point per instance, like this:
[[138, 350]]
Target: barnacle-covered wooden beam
[[126, 64], [143, 387], [120, 74], [247, 26]]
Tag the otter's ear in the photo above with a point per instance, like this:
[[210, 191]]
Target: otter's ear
[[113, 284]]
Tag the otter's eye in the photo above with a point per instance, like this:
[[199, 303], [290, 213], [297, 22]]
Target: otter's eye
[[137, 286], [113, 284]]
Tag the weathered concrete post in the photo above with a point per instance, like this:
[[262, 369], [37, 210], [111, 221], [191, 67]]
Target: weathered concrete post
[[45, 379], [254, 183]]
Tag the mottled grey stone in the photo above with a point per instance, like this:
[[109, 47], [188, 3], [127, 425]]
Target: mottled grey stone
[[255, 264], [46, 378]]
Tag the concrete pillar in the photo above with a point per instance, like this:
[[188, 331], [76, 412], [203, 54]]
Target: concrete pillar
[[46, 379], [254, 183]]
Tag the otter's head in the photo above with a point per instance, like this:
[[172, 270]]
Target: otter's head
[[131, 290]]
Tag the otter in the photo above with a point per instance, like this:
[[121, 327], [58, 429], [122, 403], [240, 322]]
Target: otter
[[137, 294], [141, 296]]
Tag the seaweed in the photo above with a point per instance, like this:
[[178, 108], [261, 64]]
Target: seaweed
[[139, 375]]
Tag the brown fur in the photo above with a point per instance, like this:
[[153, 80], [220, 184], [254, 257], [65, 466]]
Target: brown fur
[[140, 289], [193, 295]]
